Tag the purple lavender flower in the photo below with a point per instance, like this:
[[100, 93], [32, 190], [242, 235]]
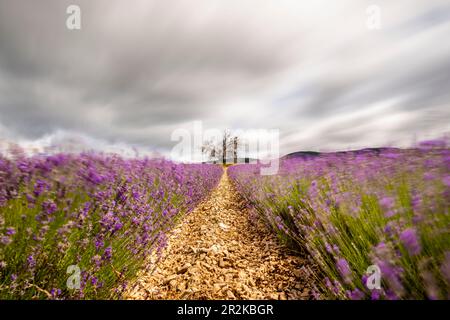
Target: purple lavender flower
[[107, 255], [409, 239], [416, 202], [97, 260], [118, 226], [387, 202], [387, 229], [375, 295], [31, 261], [5, 240], [10, 231], [315, 293], [446, 180], [49, 207], [99, 244], [55, 293], [328, 283], [391, 295], [364, 279], [343, 267], [356, 294], [428, 176], [431, 144], [392, 274], [336, 249], [39, 187], [390, 213]]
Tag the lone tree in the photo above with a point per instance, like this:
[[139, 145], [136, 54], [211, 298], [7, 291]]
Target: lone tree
[[213, 155], [235, 148]]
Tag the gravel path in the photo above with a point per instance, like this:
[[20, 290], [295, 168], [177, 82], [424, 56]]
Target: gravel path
[[219, 252]]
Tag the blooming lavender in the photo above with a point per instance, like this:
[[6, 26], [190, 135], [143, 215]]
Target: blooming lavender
[[409, 239], [344, 268], [351, 210], [102, 213]]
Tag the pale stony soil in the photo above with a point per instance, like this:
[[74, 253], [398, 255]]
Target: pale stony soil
[[219, 252]]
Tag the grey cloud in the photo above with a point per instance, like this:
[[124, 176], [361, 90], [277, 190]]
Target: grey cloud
[[145, 77], [425, 86]]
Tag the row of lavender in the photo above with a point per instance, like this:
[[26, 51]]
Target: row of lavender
[[81, 226], [361, 216]]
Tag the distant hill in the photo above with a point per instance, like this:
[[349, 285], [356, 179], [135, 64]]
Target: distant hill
[[370, 150], [313, 154], [302, 154]]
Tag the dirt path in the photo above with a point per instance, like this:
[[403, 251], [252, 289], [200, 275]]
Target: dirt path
[[219, 252]]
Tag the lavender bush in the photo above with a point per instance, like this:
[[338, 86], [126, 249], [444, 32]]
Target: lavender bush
[[104, 214], [387, 207]]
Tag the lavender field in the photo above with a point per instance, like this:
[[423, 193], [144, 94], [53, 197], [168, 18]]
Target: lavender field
[[102, 215], [387, 208], [337, 214]]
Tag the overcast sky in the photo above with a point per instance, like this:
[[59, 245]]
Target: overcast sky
[[138, 70]]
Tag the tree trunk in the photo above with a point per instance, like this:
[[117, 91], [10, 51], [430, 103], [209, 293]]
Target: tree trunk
[[235, 142], [224, 149], [213, 155]]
